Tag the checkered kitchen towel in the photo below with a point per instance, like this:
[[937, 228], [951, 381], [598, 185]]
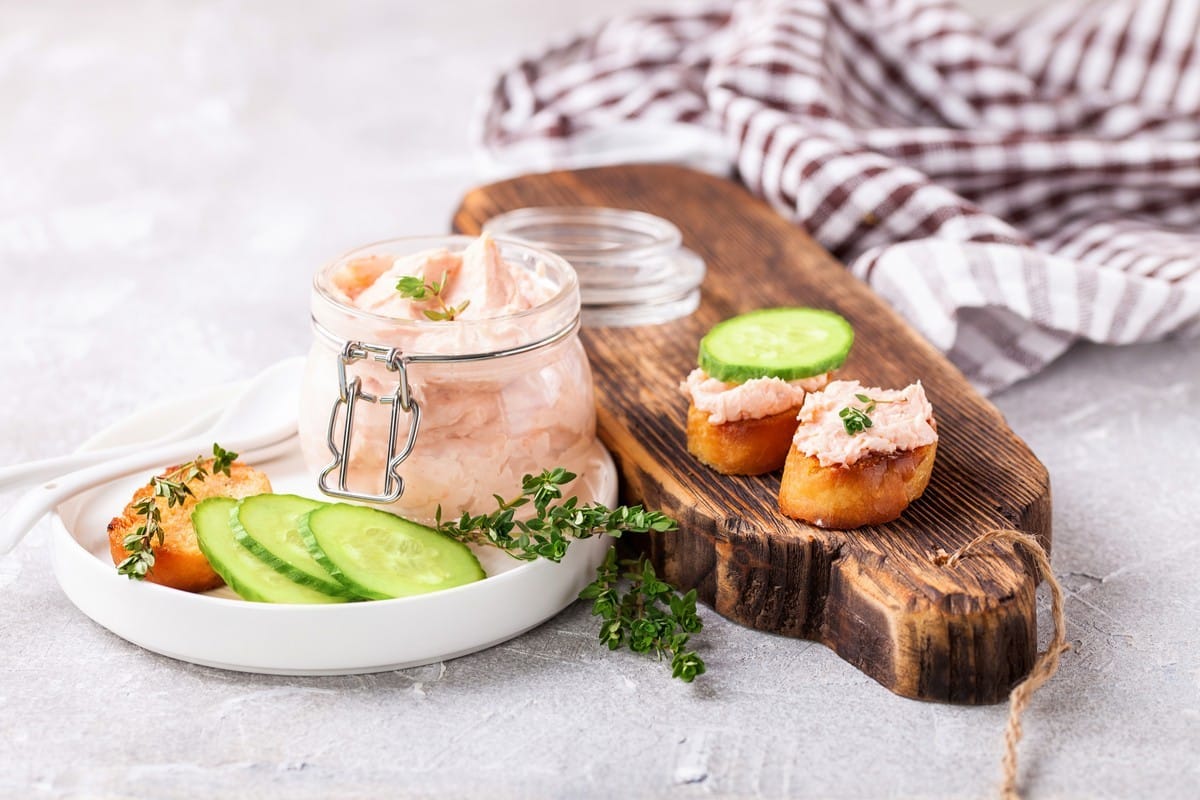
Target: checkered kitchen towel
[[1010, 189]]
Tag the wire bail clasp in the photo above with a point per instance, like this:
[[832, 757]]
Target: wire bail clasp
[[350, 393]]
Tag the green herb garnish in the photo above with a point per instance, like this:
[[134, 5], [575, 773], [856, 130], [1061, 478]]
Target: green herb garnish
[[635, 618], [415, 288], [650, 617], [174, 487], [857, 420], [548, 533]]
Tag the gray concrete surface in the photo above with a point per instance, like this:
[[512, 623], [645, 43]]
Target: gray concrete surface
[[171, 175]]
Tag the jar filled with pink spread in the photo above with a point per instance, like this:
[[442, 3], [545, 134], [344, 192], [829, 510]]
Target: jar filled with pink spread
[[409, 409]]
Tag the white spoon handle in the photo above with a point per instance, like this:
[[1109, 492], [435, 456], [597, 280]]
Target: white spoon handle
[[44, 469], [34, 504]]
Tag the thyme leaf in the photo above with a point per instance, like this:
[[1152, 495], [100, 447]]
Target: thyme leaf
[[553, 525], [416, 288], [650, 617], [857, 420], [174, 488]]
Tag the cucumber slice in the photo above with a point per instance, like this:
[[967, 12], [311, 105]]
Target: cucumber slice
[[246, 574], [380, 555], [786, 343], [268, 525]]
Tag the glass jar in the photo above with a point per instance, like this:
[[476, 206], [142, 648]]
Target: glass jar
[[413, 414], [633, 268]]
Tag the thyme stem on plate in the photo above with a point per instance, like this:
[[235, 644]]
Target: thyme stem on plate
[[554, 524], [174, 487]]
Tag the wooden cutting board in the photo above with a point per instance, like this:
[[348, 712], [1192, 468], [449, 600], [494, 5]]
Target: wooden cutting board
[[962, 634]]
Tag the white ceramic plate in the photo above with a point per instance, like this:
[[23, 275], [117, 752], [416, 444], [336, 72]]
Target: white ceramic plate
[[218, 629]]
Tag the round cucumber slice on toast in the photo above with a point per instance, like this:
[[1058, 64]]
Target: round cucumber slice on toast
[[785, 343], [245, 573], [380, 555]]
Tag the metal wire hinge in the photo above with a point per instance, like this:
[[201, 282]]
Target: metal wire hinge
[[350, 393]]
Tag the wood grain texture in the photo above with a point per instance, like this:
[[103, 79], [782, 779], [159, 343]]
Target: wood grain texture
[[965, 634]]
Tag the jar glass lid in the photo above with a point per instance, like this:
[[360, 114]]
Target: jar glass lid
[[632, 266]]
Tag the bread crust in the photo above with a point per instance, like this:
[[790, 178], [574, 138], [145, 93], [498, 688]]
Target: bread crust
[[871, 491], [744, 447], [178, 562]]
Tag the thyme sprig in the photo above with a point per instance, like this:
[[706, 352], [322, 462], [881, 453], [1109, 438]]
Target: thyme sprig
[[416, 288], [550, 530], [174, 487], [650, 617], [857, 420]]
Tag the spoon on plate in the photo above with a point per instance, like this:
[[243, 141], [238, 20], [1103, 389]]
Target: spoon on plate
[[262, 415], [17, 475]]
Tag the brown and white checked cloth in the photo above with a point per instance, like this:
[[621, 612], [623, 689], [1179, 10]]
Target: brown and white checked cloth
[[1009, 189]]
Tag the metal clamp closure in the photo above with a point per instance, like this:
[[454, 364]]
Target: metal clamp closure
[[350, 393]]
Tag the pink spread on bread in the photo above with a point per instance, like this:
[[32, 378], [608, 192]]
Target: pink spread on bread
[[755, 399], [901, 420]]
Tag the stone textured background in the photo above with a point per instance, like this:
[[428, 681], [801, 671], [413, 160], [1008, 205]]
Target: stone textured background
[[172, 173]]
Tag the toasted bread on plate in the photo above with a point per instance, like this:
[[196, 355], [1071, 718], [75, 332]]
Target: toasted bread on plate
[[178, 562]]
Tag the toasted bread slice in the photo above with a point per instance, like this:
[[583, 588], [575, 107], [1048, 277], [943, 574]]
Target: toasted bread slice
[[871, 491], [744, 447], [178, 561]]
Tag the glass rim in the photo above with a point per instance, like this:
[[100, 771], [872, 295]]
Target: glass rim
[[664, 237]]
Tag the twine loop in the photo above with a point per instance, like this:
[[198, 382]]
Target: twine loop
[[1047, 661]]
